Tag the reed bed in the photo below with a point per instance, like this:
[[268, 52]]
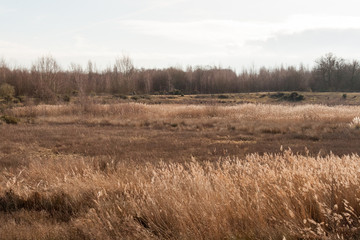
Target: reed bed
[[239, 112], [274, 196], [72, 181]]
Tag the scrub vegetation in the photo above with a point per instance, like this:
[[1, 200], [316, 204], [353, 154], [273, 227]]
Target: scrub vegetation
[[201, 153], [105, 168]]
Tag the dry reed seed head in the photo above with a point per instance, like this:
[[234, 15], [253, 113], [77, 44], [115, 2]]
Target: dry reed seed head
[[243, 111], [355, 123], [196, 199]]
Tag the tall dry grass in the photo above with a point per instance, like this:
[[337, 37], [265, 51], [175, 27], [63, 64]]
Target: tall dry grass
[[259, 197], [62, 195], [239, 112]]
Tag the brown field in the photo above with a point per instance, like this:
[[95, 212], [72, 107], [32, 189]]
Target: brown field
[[176, 171]]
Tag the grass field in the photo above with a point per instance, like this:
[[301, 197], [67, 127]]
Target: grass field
[[192, 167], [327, 98]]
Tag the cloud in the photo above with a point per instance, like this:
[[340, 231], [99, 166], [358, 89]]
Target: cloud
[[310, 42], [7, 10], [150, 32], [301, 22], [230, 31], [203, 31], [12, 48]]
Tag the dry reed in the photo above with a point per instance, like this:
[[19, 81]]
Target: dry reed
[[239, 112], [259, 197]]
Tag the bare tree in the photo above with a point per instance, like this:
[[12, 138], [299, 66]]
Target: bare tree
[[45, 71], [354, 74], [3, 70], [330, 67], [78, 73], [124, 70]]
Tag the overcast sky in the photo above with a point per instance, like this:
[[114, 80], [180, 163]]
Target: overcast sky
[[163, 33]]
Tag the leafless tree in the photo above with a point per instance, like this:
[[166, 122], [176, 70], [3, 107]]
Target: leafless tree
[[45, 72], [78, 75], [124, 70], [330, 67]]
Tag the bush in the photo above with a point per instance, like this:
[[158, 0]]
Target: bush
[[75, 93], [7, 91], [22, 99], [292, 97], [344, 96], [176, 92], [145, 97], [277, 95], [121, 96], [66, 98], [9, 119], [222, 96]]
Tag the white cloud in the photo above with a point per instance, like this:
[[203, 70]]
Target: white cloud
[[299, 23], [13, 48], [231, 32], [199, 32], [6, 10]]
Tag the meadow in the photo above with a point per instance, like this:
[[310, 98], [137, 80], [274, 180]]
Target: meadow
[[208, 167]]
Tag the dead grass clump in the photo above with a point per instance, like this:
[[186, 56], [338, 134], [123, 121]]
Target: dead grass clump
[[9, 119], [59, 206]]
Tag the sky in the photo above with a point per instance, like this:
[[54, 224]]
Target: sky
[[163, 33]]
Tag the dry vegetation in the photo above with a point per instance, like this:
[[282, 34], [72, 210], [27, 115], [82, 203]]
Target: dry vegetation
[[138, 171]]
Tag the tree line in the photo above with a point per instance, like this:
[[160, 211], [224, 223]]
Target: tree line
[[46, 79]]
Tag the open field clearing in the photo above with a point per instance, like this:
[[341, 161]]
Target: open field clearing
[[324, 98], [174, 171], [327, 98]]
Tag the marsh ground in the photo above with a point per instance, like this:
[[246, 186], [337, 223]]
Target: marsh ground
[[62, 166]]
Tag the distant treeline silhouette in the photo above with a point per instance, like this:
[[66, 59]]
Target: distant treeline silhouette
[[46, 79]]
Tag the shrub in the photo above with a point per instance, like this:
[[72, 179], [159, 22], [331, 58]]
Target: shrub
[[222, 96], [22, 99], [66, 98], [176, 92], [145, 97], [121, 96], [7, 91], [277, 95], [292, 97], [9, 119], [344, 96], [75, 93]]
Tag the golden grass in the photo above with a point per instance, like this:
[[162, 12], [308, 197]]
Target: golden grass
[[259, 197], [75, 185], [238, 112]]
